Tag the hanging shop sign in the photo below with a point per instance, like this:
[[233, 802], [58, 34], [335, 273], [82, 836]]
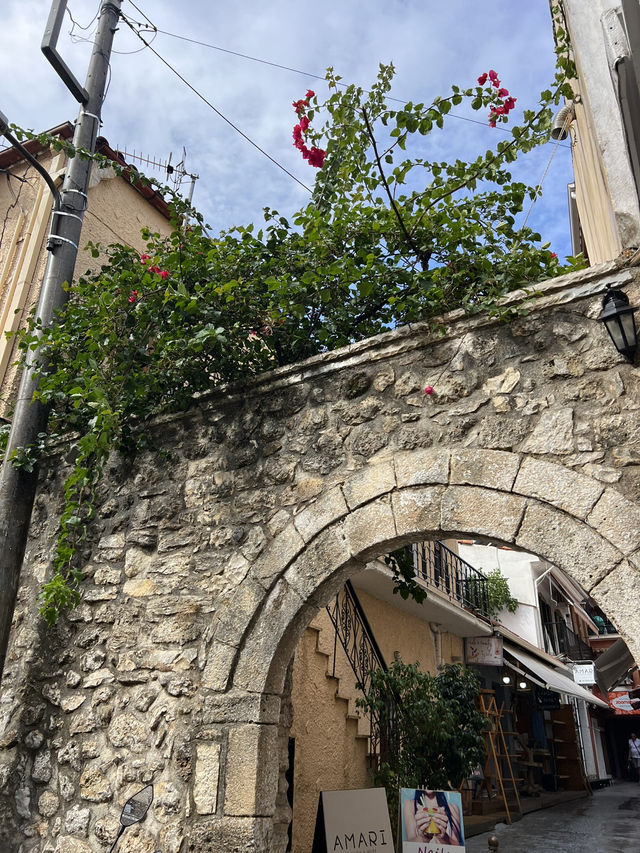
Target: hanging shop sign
[[484, 651], [622, 703], [431, 821], [584, 673], [355, 820]]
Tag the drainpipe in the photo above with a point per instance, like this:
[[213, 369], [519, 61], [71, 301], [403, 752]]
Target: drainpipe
[[436, 636]]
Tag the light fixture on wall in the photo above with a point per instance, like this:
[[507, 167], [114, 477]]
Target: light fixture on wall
[[506, 679], [523, 685], [617, 316]]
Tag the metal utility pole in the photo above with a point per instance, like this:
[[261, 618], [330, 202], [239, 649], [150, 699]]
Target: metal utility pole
[[17, 486]]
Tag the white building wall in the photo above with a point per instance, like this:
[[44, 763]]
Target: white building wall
[[517, 567]]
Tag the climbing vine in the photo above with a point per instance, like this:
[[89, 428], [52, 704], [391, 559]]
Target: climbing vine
[[388, 237]]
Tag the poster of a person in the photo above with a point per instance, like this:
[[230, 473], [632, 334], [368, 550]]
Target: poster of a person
[[431, 821]]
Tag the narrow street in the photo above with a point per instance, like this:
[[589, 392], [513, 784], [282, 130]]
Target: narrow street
[[608, 822]]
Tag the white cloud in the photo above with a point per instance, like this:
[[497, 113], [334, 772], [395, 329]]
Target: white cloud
[[148, 109]]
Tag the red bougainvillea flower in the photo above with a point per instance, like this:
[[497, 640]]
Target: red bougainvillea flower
[[554, 256], [314, 156], [482, 79], [493, 76], [144, 258], [428, 390], [164, 273], [134, 296]]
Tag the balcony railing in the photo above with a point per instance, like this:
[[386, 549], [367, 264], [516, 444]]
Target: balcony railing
[[452, 576], [561, 640]]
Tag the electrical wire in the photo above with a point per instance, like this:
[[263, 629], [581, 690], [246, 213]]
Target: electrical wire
[[298, 70], [211, 106]]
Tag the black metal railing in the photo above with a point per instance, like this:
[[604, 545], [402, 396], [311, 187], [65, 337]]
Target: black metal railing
[[604, 626], [355, 635], [445, 571], [353, 631], [561, 640]]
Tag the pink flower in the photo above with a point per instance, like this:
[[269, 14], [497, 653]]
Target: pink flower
[[154, 269], [144, 258], [164, 274], [428, 390], [503, 93], [493, 76], [510, 103], [134, 296], [492, 123], [310, 94], [482, 79], [316, 157]]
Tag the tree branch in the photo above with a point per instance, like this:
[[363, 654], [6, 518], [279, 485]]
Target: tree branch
[[422, 256]]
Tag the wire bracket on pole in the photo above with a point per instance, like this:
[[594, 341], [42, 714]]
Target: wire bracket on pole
[[72, 215], [54, 240], [84, 196], [92, 115]]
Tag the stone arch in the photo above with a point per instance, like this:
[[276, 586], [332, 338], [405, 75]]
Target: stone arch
[[586, 528]]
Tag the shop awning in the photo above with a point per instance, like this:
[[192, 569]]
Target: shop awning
[[612, 665], [551, 678]]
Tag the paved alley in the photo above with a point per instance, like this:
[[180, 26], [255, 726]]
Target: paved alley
[[607, 822]]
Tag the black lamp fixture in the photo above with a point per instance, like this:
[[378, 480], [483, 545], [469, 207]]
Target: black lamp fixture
[[617, 315]]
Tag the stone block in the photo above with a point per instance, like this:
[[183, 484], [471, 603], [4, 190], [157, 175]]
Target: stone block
[[569, 544], [484, 512], [69, 844], [276, 557], [251, 771], [323, 511], [618, 520], [618, 595], [264, 656], [129, 732], [94, 786], [217, 669], [552, 434], [368, 530], [219, 835], [325, 555], [421, 467], [205, 785], [495, 469], [369, 483], [236, 609], [554, 484], [417, 510]]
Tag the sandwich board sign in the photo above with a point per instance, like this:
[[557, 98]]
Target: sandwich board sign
[[356, 821]]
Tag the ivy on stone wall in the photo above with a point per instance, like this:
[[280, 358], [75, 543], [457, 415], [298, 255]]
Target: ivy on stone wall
[[388, 238]]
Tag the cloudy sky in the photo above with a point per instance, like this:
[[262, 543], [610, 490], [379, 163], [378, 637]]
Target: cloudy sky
[[150, 111]]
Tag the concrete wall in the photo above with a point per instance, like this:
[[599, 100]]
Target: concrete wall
[[204, 568]]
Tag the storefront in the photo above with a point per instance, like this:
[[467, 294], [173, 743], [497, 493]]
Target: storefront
[[546, 734]]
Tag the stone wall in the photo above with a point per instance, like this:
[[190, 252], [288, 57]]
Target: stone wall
[[207, 562]]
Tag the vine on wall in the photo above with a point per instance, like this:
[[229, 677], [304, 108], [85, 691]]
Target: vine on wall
[[387, 238]]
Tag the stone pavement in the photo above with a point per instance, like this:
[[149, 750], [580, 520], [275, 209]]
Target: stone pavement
[[607, 822]]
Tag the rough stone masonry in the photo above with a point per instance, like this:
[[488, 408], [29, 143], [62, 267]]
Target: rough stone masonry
[[208, 560]]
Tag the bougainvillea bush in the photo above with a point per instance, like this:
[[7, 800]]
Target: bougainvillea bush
[[387, 238]]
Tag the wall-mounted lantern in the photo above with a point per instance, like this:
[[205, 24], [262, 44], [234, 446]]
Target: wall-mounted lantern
[[617, 315]]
